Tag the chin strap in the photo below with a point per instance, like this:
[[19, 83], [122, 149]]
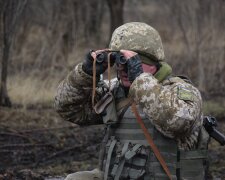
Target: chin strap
[[150, 141]]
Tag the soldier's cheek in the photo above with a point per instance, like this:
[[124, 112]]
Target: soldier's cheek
[[125, 82]]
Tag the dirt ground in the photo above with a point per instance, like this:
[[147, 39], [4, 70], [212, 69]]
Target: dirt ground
[[37, 143]]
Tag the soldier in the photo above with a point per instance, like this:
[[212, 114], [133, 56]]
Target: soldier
[[170, 108]]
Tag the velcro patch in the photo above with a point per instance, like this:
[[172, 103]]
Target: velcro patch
[[185, 93]]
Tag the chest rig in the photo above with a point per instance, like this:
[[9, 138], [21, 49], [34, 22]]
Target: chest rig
[[131, 156], [127, 154]]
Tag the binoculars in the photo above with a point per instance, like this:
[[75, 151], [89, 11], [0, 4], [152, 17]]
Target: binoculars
[[114, 57]]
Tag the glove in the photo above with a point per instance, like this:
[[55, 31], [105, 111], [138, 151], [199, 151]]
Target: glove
[[134, 67], [87, 65]]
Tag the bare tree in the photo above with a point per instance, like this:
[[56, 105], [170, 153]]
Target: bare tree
[[116, 13], [10, 11], [200, 24]]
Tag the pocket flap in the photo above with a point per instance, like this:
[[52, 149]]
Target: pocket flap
[[103, 102]]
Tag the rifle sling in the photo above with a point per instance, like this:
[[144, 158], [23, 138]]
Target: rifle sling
[[150, 141]]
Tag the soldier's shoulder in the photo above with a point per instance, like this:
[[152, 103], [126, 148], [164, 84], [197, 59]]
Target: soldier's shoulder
[[184, 88]]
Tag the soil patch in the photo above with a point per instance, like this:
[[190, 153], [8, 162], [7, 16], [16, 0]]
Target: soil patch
[[37, 143]]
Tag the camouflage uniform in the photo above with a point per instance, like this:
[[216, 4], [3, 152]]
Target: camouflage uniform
[[171, 104]]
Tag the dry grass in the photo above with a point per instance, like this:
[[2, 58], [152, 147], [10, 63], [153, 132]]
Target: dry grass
[[215, 108], [32, 90]]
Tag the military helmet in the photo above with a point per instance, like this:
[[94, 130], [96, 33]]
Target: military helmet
[[138, 37]]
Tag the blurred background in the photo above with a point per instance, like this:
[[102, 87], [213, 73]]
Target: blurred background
[[42, 40]]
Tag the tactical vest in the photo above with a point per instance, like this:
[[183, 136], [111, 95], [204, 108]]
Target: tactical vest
[[129, 156]]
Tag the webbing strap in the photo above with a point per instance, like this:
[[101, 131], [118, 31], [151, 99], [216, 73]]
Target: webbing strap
[[126, 156], [111, 147], [122, 162], [123, 103], [196, 154], [131, 153], [150, 141]]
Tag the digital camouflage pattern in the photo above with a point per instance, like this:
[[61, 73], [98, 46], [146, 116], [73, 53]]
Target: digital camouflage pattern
[[173, 106], [138, 37], [73, 98]]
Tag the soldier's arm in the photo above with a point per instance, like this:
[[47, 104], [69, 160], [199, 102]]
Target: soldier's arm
[[174, 109], [73, 98]]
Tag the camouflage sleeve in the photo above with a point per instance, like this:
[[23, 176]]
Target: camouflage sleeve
[[174, 109], [73, 98]]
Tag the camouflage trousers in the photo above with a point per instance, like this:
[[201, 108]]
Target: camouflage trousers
[[95, 174]]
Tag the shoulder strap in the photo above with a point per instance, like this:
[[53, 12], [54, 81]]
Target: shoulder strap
[[123, 103], [176, 79], [111, 147], [185, 78]]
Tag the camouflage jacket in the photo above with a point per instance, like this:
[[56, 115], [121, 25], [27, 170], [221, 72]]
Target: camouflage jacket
[[173, 105]]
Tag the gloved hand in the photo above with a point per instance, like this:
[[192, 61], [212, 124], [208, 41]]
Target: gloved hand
[[134, 64], [87, 65]]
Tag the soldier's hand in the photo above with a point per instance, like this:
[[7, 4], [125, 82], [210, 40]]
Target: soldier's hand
[[88, 63], [134, 65]]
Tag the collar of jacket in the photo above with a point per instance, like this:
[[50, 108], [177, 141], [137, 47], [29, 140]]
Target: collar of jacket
[[164, 71]]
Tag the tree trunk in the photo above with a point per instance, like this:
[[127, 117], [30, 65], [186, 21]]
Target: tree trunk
[[10, 12], [4, 98], [116, 13]]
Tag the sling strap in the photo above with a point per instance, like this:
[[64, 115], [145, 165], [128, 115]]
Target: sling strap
[[122, 162], [94, 77], [150, 141], [125, 156], [111, 147]]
